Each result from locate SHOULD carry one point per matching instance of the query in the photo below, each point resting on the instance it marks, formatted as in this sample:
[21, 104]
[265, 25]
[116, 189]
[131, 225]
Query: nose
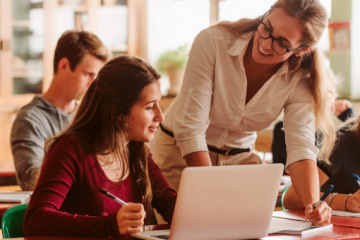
[159, 116]
[266, 44]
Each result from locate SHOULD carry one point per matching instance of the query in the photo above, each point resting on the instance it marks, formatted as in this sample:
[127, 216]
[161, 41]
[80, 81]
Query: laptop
[223, 202]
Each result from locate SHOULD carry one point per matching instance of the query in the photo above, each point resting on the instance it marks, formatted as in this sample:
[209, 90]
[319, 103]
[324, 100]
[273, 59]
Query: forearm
[198, 159]
[305, 181]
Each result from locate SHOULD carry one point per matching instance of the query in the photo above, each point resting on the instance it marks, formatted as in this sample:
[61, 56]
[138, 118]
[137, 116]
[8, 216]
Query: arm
[43, 216]
[299, 126]
[27, 143]
[198, 159]
[194, 101]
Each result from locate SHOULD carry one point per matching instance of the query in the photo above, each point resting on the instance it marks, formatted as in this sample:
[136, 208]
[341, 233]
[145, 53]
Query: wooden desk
[335, 220]
[7, 173]
[337, 232]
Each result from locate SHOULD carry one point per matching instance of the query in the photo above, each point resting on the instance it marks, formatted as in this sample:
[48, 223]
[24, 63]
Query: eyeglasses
[278, 46]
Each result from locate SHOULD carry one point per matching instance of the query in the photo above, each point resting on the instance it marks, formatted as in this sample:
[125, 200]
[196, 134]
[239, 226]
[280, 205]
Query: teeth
[263, 51]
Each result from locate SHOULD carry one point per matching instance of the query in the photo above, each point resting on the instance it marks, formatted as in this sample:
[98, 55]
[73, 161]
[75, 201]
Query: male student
[79, 55]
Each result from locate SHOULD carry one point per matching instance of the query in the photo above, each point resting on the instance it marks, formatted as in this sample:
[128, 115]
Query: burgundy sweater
[67, 201]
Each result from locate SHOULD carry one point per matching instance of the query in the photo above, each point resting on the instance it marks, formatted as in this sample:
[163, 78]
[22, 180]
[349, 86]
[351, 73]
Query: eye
[150, 108]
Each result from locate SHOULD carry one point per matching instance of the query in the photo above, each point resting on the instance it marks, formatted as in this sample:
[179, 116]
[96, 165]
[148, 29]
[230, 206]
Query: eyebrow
[150, 102]
[282, 38]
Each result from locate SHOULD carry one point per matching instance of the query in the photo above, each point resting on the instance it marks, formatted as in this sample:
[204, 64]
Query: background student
[239, 77]
[104, 148]
[344, 163]
[79, 55]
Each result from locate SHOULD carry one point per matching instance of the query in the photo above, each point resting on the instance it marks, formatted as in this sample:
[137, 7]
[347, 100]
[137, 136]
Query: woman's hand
[341, 105]
[320, 216]
[130, 218]
[353, 202]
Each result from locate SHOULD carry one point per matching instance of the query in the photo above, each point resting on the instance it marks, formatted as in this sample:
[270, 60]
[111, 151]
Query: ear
[302, 51]
[63, 65]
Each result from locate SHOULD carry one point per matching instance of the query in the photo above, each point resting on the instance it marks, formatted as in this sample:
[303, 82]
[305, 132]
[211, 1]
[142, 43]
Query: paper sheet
[345, 214]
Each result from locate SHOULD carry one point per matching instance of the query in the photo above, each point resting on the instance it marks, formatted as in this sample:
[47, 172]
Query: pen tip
[103, 191]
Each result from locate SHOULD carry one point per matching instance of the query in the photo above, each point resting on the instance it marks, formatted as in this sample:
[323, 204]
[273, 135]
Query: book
[15, 197]
[345, 214]
[293, 227]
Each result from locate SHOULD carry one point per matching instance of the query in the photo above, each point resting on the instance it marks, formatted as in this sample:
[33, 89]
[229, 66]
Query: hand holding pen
[130, 217]
[320, 213]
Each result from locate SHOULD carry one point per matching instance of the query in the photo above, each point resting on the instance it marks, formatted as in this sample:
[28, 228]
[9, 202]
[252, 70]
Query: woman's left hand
[320, 216]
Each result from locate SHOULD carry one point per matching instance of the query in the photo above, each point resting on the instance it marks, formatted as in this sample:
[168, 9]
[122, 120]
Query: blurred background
[159, 31]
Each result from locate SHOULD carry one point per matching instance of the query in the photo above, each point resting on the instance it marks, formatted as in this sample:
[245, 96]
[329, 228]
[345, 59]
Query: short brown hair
[75, 45]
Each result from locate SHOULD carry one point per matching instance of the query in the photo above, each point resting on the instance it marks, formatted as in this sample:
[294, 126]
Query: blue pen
[323, 197]
[357, 178]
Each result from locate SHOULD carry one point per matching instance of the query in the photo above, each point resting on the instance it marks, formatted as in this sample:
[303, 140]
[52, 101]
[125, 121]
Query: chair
[282, 197]
[12, 221]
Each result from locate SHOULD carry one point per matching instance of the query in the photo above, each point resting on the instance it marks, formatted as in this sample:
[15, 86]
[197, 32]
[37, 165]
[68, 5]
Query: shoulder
[346, 137]
[37, 111]
[215, 34]
[66, 145]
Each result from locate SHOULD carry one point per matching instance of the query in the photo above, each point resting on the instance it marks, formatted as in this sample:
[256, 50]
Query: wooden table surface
[337, 232]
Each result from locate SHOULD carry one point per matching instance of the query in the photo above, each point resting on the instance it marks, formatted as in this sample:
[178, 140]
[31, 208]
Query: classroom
[179, 119]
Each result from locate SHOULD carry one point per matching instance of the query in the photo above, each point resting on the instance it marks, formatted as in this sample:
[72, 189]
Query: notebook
[223, 202]
[345, 214]
[15, 197]
[293, 227]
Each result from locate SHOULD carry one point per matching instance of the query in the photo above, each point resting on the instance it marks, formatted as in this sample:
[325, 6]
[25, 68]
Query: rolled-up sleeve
[299, 125]
[192, 111]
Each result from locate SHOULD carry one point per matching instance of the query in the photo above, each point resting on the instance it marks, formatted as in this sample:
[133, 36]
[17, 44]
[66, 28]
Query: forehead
[151, 92]
[285, 26]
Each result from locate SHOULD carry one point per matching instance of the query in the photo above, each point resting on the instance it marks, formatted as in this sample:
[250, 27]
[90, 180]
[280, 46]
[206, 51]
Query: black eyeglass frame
[273, 38]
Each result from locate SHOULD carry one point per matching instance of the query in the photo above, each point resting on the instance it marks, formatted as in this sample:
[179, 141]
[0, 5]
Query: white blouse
[211, 109]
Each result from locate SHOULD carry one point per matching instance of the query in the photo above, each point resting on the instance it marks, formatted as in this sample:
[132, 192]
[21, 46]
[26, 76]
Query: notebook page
[286, 226]
[345, 213]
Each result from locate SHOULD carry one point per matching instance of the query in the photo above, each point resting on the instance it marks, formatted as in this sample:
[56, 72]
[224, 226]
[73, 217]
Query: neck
[252, 64]
[58, 97]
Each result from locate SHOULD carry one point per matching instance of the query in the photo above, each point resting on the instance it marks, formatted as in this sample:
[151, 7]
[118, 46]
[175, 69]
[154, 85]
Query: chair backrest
[13, 220]
[282, 197]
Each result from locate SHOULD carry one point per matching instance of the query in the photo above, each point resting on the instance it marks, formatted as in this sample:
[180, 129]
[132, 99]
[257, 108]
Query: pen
[118, 200]
[357, 178]
[323, 197]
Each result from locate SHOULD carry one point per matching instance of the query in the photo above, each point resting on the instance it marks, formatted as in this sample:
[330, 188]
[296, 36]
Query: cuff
[299, 155]
[195, 144]
[114, 225]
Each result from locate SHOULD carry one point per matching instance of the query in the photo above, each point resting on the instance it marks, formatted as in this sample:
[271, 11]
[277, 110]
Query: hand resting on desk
[130, 218]
[353, 202]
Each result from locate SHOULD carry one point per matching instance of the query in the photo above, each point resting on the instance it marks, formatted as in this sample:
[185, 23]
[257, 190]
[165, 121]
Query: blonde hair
[313, 17]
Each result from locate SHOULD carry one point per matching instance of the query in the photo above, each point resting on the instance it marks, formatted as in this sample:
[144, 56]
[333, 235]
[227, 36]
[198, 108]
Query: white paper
[344, 213]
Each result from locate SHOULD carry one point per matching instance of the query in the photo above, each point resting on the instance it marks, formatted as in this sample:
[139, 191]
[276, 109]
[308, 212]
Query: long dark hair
[100, 124]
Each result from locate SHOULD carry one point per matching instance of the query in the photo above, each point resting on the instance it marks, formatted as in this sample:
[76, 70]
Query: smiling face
[284, 28]
[146, 114]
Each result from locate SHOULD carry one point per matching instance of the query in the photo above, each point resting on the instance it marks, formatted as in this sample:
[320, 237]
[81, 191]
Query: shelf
[26, 74]
[20, 23]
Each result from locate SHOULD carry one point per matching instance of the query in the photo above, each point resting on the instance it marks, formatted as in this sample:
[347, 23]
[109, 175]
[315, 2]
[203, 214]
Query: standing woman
[239, 77]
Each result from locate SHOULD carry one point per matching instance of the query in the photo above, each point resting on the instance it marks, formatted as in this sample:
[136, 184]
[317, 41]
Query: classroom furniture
[7, 173]
[283, 195]
[13, 220]
[350, 222]
[336, 233]
[6, 206]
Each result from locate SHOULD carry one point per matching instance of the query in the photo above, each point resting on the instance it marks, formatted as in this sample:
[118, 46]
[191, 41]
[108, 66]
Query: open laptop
[225, 202]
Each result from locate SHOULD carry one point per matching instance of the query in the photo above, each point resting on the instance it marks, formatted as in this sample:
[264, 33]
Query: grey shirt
[34, 124]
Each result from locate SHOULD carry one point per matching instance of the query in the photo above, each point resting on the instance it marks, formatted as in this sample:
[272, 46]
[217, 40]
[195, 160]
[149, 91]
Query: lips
[152, 129]
[262, 52]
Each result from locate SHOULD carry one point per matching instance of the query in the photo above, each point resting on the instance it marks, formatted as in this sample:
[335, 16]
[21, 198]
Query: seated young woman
[104, 148]
[344, 163]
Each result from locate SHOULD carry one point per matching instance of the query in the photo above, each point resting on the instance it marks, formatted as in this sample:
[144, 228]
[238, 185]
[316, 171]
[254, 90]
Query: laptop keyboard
[165, 236]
